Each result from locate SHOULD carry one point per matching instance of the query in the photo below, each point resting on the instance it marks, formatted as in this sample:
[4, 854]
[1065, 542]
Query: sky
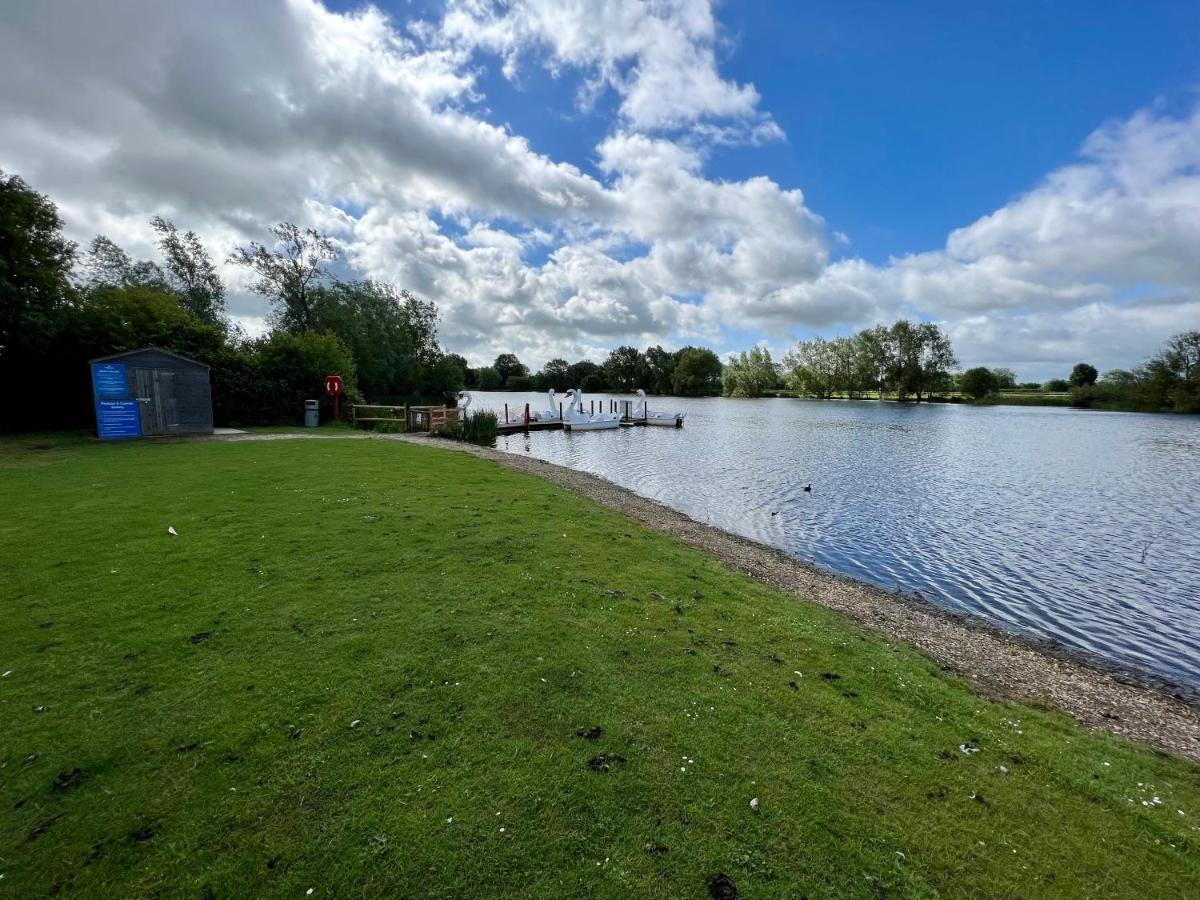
[563, 176]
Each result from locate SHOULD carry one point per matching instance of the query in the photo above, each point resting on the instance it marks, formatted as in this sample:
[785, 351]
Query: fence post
[527, 416]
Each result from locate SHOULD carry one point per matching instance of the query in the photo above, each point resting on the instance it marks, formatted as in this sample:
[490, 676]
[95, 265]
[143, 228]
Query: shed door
[156, 400]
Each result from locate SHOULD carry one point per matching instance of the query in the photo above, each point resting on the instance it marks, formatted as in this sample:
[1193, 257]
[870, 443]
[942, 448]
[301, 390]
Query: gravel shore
[997, 664]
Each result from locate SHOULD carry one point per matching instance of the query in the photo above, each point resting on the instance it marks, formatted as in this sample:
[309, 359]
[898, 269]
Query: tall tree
[555, 374]
[586, 373]
[289, 272]
[697, 372]
[659, 366]
[507, 364]
[392, 335]
[192, 273]
[621, 369]
[35, 263]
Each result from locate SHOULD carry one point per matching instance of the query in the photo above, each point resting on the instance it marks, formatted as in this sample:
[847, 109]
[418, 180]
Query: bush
[1056, 386]
[520, 383]
[978, 383]
[389, 426]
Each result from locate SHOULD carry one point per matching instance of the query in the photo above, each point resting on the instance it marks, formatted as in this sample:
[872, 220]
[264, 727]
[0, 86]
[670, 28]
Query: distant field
[371, 669]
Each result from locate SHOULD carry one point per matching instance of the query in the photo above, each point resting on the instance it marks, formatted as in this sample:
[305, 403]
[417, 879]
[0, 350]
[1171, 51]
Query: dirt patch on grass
[996, 663]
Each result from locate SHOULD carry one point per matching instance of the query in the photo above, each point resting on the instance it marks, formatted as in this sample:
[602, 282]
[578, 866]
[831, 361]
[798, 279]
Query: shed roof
[115, 356]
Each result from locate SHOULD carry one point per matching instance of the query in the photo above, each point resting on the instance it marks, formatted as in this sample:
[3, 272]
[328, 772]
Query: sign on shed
[148, 392]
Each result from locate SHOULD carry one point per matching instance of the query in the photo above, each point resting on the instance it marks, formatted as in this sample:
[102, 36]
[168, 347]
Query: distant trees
[1170, 380]
[907, 359]
[1006, 379]
[1083, 374]
[1056, 386]
[507, 365]
[749, 374]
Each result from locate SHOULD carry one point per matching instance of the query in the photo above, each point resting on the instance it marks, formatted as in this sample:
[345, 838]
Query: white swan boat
[663, 419]
[551, 414]
[575, 419]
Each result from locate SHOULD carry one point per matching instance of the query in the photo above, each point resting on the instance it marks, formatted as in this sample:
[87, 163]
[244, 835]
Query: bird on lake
[808, 489]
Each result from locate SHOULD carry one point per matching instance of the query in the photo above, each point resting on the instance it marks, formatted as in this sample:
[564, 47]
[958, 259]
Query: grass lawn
[371, 670]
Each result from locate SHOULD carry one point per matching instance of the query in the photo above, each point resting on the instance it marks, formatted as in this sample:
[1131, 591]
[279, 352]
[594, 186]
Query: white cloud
[228, 117]
[658, 55]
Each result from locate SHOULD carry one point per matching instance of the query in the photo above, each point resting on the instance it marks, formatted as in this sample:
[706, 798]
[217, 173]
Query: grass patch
[376, 669]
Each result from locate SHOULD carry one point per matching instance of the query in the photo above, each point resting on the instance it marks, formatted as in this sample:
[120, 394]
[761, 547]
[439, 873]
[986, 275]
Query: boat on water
[662, 419]
[575, 419]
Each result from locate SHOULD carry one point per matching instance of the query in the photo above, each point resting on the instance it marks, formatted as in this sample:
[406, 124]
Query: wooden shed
[149, 392]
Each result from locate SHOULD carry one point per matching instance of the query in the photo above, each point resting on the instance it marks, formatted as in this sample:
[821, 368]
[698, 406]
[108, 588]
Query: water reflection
[1036, 518]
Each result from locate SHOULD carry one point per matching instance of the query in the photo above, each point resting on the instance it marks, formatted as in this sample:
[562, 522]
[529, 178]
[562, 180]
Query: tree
[555, 374]
[35, 265]
[584, 370]
[488, 379]
[621, 369]
[391, 334]
[1121, 379]
[192, 273]
[811, 367]
[1056, 386]
[873, 349]
[106, 264]
[460, 364]
[1082, 375]
[658, 367]
[289, 273]
[697, 372]
[936, 360]
[978, 383]
[1182, 354]
[749, 374]
[1006, 379]
[507, 364]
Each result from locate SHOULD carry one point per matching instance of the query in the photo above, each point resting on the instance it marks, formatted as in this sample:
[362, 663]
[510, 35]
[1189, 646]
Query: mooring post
[560, 410]
[505, 413]
[592, 406]
[526, 416]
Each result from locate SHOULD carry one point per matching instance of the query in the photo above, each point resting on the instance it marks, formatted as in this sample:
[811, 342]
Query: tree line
[687, 372]
[1167, 382]
[61, 306]
[906, 360]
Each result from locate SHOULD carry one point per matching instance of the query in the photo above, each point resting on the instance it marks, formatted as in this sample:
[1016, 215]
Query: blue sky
[907, 120]
[562, 176]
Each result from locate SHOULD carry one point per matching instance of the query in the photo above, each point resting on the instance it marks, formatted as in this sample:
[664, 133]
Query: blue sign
[108, 381]
[118, 419]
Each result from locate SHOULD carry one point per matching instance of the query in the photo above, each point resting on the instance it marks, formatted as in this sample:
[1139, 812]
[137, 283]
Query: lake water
[1034, 518]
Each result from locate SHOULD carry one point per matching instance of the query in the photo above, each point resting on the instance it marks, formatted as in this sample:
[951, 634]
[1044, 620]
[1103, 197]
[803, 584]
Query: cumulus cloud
[658, 55]
[228, 117]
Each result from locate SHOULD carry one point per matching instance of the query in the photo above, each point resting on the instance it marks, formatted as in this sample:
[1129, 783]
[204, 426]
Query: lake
[1082, 527]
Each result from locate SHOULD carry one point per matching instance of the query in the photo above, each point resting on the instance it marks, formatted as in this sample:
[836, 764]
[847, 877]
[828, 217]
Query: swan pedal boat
[575, 419]
[661, 419]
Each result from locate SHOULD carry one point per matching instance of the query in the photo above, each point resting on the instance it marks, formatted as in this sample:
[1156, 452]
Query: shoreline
[1000, 665]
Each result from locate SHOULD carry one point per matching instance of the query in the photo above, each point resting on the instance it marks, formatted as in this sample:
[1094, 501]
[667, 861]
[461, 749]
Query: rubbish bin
[312, 413]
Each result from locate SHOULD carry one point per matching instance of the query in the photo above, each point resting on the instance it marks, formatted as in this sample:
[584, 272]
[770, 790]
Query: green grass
[471, 620]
